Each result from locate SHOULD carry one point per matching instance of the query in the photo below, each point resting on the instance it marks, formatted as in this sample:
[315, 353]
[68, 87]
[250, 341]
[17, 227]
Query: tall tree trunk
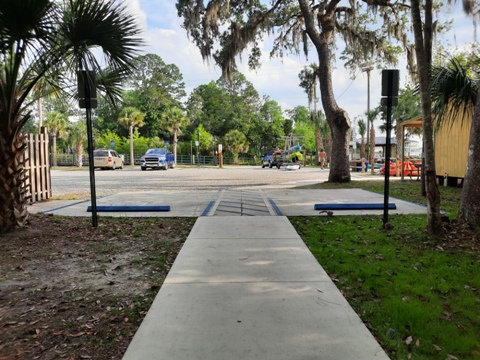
[372, 150]
[175, 146]
[54, 150]
[469, 205]
[132, 160]
[337, 118]
[423, 50]
[362, 148]
[398, 134]
[40, 114]
[13, 176]
[79, 154]
[319, 141]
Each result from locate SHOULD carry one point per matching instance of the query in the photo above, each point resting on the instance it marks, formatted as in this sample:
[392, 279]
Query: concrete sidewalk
[247, 287]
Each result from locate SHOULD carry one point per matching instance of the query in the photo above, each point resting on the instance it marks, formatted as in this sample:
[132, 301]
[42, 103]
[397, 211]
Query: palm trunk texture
[13, 176]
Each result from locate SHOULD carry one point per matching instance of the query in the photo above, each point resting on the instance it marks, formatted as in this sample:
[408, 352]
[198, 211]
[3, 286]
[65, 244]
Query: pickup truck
[267, 159]
[157, 158]
[272, 158]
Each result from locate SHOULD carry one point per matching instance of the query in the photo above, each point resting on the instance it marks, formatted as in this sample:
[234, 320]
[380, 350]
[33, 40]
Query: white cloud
[134, 8]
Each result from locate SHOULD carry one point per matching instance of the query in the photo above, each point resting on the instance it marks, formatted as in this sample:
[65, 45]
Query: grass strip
[418, 295]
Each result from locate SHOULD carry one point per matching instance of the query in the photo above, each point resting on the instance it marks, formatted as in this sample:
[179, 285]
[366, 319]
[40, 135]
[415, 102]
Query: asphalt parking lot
[183, 178]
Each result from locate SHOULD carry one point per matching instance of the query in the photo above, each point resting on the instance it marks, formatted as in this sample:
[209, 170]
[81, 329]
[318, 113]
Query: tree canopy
[224, 30]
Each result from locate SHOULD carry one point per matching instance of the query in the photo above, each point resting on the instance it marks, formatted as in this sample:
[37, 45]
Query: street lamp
[198, 148]
[367, 67]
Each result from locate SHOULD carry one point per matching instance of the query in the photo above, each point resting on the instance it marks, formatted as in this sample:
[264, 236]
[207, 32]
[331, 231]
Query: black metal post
[387, 150]
[93, 194]
[91, 167]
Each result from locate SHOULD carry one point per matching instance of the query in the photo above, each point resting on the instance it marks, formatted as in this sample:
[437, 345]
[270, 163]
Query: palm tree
[174, 119]
[362, 129]
[56, 123]
[52, 35]
[131, 117]
[455, 90]
[77, 137]
[237, 142]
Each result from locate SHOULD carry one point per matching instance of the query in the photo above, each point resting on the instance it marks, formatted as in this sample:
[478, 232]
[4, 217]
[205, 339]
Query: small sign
[197, 143]
[112, 144]
[167, 143]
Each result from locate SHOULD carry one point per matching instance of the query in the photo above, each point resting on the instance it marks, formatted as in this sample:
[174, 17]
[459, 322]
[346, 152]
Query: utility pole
[367, 67]
[198, 148]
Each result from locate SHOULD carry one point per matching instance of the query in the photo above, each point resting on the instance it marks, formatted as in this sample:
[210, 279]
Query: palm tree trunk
[54, 150]
[40, 114]
[13, 176]
[132, 160]
[79, 155]
[319, 141]
[399, 134]
[175, 146]
[372, 150]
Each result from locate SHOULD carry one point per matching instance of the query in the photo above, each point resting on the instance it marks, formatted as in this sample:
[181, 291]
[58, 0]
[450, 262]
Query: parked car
[107, 159]
[157, 158]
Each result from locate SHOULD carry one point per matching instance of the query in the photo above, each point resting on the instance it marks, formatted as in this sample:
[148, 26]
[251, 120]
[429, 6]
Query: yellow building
[451, 145]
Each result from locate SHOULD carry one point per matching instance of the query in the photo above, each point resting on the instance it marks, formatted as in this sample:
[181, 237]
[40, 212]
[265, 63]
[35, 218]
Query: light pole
[367, 67]
[198, 148]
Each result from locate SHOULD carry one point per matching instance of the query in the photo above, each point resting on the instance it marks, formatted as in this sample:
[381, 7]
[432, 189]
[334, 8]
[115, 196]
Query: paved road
[192, 178]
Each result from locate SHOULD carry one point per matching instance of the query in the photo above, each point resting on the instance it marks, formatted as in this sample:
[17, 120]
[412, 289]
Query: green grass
[402, 282]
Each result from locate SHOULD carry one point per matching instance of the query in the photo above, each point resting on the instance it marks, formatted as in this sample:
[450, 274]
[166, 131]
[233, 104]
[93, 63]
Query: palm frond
[454, 92]
[99, 25]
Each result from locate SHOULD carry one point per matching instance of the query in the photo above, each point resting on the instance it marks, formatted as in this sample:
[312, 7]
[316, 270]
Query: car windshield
[159, 151]
[100, 153]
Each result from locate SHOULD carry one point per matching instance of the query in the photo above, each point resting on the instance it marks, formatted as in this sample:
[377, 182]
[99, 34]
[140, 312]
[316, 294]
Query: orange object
[408, 169]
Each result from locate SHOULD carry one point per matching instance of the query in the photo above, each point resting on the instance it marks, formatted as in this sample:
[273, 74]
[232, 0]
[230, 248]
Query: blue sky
[277, 78]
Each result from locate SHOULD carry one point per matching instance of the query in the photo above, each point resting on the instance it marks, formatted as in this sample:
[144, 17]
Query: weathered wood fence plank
[39, 185]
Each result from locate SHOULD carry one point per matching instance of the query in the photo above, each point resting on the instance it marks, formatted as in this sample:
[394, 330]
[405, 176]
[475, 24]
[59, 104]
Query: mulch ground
[68, 290]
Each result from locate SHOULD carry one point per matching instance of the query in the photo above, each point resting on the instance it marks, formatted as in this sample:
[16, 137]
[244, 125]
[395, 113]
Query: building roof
[381, 140]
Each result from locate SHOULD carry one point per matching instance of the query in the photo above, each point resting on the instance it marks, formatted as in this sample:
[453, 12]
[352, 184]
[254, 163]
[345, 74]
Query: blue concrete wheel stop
[131, 208]
[358, 206]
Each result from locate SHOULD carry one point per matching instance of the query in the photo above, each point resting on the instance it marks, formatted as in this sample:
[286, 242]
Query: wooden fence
[39, 185]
